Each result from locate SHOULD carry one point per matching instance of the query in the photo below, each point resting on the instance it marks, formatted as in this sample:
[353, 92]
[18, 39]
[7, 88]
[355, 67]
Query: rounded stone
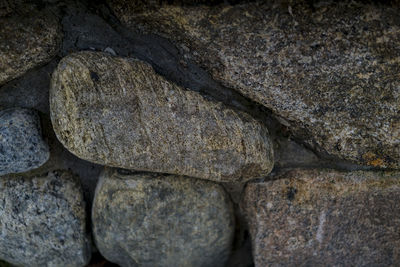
[22, 147]
[119, 112]
[143, 219]
[43, 220]
[28, 39]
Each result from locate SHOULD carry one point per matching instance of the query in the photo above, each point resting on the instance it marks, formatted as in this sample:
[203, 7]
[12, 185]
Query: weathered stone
[119, 112]
[22, 147]
[43, 221]
[331, 70]
[26, 41]
[144, 219]
[325, 218]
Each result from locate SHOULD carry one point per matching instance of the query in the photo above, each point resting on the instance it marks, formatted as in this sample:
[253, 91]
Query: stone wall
[199, 133]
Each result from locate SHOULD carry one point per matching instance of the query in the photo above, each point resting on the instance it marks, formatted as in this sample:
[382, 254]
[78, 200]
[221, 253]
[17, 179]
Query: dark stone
[29, 91]
[29, 39]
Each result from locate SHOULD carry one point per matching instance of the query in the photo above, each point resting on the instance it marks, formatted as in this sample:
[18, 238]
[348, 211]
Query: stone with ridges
[118, 112]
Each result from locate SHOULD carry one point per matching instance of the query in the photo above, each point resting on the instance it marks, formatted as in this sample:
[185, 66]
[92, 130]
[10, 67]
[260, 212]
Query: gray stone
[27, 39]
[328, 70]
[146, 219]
[22, 147]
[118, 112]
[43, 221]
[325, 218]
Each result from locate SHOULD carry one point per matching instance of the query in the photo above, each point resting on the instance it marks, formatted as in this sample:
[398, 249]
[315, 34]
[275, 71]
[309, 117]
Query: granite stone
[145, 219]
[22, 147]
[43, 220]
[28, 38]
[329, 70]
[325, 218]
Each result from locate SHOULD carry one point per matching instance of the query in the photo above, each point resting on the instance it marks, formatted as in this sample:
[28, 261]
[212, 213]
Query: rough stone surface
[22, 147]
[325, 218]
[9, 6]
[119, 112]
[43, 221]
[331, 70]
[27, 40]
[148, 219]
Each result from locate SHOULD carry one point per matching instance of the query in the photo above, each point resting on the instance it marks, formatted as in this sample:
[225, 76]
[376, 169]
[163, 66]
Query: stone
[118, 112]
[328, 70]
[43, 221]
[27, 40]
[148, 219]
[22, 147]
[7, 7]
[325, 218]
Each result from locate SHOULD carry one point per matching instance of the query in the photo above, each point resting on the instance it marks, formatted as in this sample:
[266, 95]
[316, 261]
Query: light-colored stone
[329, 69]
[118, 112]
[22, 147]
[28, 39]
[325, 218]
[43, 221]
[143, 219]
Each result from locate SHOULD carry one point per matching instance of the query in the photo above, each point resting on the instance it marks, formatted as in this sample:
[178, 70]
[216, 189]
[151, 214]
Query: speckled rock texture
[43, 221]
[28, 38]
[118, 112]
[144, 219]
[22, 147]
[325, 218]
[329, 70]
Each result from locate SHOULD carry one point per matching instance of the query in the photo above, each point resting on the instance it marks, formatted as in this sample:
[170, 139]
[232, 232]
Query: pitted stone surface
[330, 70]
[43, 221]
[325, 218]
[118, 112]
[27, 39]
[146, 219]
[22, 147]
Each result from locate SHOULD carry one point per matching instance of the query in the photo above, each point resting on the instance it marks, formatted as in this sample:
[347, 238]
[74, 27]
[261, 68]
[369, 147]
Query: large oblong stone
[22, 147]
[27, 40]
[43, 220]
[146, 219]
[325, 218]
[118, 112]
[329, 69]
